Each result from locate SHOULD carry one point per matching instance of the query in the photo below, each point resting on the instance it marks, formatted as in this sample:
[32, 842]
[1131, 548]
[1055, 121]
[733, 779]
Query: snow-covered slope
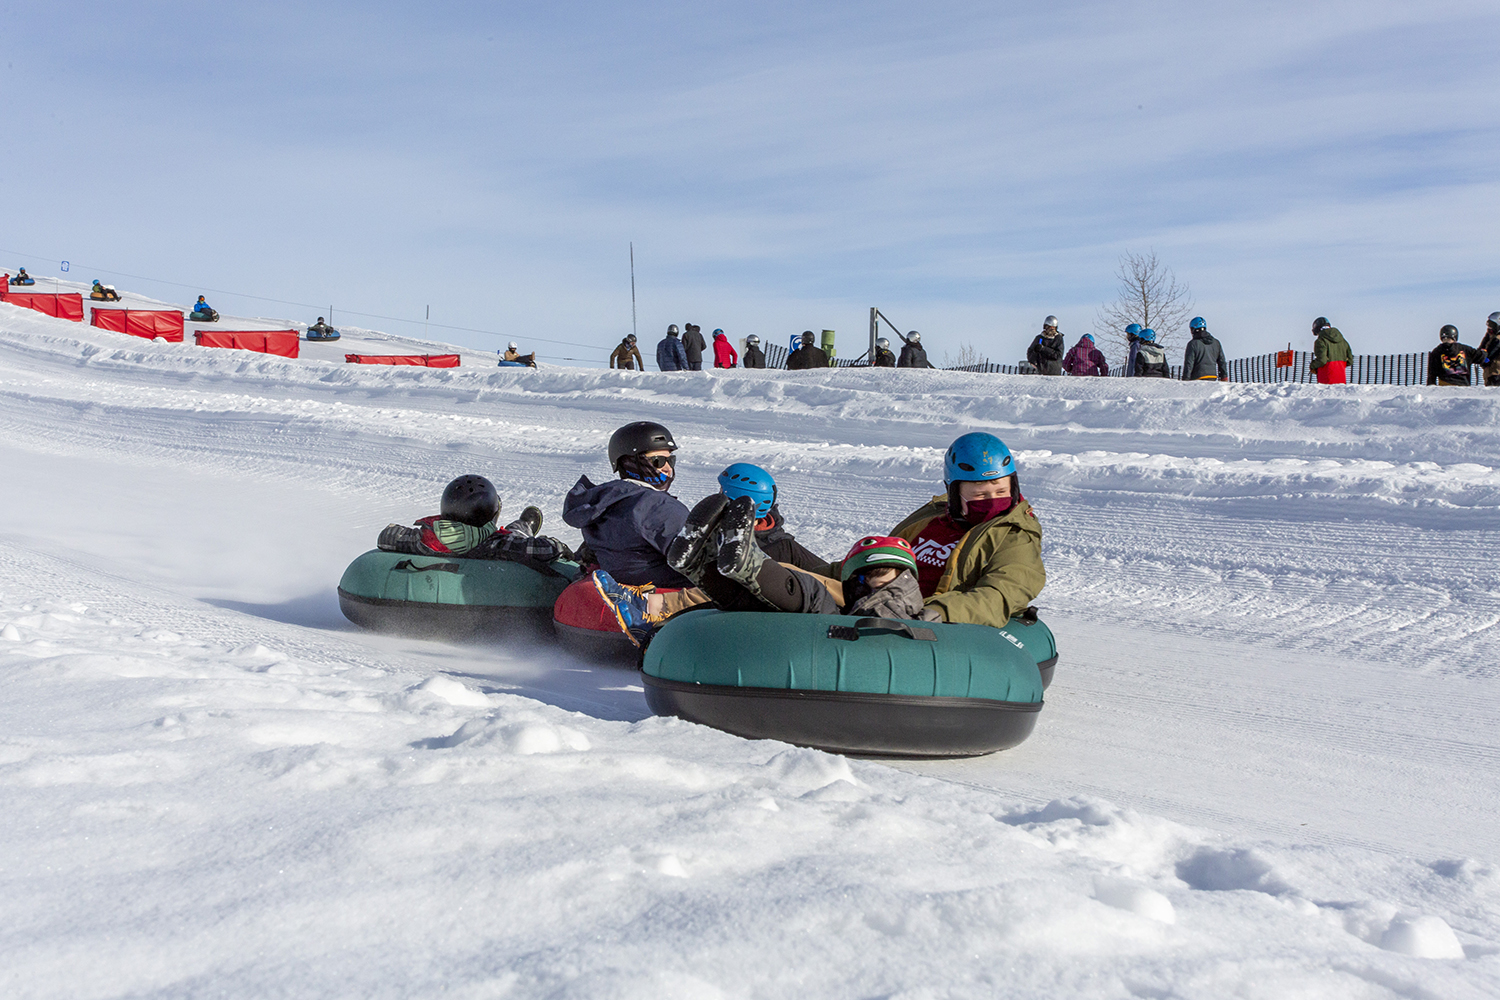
[1268, 766]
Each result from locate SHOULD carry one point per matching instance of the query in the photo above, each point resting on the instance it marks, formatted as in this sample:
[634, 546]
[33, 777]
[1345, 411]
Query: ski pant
[782, 588]
[1492, 373]
[695, 366]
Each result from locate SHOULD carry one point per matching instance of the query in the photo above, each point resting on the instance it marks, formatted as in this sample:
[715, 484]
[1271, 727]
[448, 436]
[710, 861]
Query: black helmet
[1494, 318]
[807, 338]
[914, 337]
[630, 337]
[472, 500]
[671, 329]
[1321, 323]
[637, 439]
[1448, 332]
[752, 340]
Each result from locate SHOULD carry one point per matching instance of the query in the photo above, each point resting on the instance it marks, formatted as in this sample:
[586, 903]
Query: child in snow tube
[640, 608]
[203, 312]
[467, 527]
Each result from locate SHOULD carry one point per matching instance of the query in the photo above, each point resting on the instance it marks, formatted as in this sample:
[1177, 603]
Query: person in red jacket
[725, 356]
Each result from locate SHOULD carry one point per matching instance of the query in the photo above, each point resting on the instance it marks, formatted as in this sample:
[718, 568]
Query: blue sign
[64, 265]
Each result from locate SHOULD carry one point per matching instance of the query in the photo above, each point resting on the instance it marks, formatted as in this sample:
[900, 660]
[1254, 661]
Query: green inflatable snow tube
[866, 686]
[450, 596]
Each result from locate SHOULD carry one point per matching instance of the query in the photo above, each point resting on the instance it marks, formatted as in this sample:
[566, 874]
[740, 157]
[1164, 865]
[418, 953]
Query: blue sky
[967, 167]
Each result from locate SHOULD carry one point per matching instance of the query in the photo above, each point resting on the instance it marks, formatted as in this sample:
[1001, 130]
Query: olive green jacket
[996, 569]
[1330, 346]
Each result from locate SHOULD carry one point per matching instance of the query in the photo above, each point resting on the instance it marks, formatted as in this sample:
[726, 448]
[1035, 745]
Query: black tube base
[442, 621]
[861, 725]
[613, 648]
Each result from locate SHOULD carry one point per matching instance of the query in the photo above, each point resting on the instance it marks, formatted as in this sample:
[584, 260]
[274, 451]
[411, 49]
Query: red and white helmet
[878, 551]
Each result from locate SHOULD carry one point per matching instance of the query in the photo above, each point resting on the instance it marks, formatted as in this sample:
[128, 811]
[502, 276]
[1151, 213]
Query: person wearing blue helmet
[745, 480]
[1203, 360]
[1132, 338]
[978, 546]
[1150, 358]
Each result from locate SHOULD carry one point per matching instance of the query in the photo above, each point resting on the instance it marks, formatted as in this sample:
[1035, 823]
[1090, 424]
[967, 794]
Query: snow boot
[694, 548]
[740, 557]
[529, 523]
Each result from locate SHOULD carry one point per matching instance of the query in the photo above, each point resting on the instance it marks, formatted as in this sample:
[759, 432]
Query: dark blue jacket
[670, 357]
[629, 526]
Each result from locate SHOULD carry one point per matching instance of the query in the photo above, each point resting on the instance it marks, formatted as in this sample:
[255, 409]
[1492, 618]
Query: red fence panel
[420, 360]
[147, 323]
[283, 343]
[64, 306]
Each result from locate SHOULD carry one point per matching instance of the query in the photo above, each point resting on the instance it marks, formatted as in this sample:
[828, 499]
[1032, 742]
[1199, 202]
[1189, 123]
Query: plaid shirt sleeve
[518, 545]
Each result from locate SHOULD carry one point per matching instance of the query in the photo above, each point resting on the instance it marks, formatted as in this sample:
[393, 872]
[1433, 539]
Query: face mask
[980, 511]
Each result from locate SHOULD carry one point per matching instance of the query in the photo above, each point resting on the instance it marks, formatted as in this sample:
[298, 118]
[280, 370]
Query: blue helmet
[745, 480]
[1148, 335]
[1198, 323]
[1134, 329]
[977, 457]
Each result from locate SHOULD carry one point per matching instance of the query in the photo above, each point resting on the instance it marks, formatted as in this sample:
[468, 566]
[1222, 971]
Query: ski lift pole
[632, 287]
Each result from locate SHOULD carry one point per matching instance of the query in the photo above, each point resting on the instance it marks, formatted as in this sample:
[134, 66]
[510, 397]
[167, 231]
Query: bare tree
[967, 355]
[1149, 294]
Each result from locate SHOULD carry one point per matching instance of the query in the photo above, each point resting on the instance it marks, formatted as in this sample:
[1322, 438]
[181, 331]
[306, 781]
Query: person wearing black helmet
[627, 357]
[1332, 355]
[1489, 346]
[808, 356]
[466, 526]
[884, 358]
[1449, 363]
[628, 522]
[753, 357]
[913, 354]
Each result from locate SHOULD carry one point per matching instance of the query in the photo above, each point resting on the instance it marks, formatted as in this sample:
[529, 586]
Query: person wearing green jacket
[979, 547]
[1331, 354]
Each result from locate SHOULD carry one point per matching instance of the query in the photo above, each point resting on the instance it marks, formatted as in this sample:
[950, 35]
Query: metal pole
[424, 322]
[874, 331]
[632, 287]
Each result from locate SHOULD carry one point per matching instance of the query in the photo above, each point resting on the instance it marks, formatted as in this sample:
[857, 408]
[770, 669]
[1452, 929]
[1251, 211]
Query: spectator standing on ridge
[913, 355]
[1085, 359]
[1449, 362]
[883, 356]
[1046, 351]
[1203, 360]
[725, 356]
[1132, 341]
[1489, 346]
[694, 346]
[754, 356]
[670, 357]
[627, 357]
[1150, 358]
[1331, 354]
[809, 355]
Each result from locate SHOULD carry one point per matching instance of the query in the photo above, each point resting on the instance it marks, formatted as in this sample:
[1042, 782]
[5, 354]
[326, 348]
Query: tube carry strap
[851, 632]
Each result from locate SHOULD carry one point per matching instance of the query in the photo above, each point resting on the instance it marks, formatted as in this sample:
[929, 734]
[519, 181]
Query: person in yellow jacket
[979, 547]
[627, 356]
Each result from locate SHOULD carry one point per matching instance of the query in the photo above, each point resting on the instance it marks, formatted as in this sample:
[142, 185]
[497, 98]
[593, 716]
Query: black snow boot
[694, 548]
[739, 556]
[529, 523]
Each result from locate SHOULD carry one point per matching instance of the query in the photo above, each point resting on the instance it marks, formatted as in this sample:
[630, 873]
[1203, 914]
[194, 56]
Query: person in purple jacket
[1085, 359]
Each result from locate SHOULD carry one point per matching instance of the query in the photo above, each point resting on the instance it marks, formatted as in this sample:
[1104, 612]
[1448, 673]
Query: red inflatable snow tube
[587, 626]
[283, 343]
[420, 360]
[66, 306]
[148, 323]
